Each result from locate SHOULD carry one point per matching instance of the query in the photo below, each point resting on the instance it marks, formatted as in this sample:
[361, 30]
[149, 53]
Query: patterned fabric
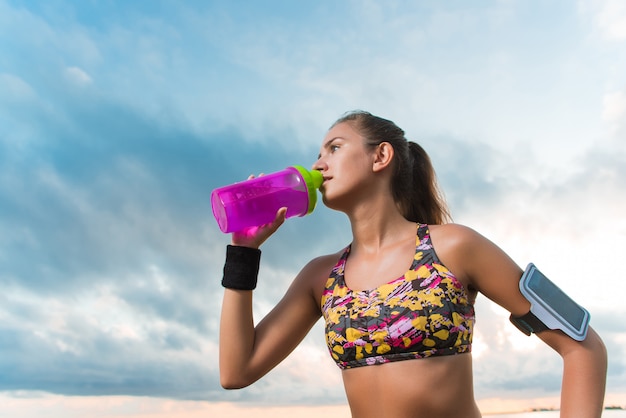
[424, 313]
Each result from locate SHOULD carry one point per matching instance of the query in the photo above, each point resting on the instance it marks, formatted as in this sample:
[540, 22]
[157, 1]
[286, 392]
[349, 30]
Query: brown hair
[414, 183]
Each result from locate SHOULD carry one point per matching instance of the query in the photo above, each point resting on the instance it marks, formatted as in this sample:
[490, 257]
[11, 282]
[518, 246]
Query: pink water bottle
[255, 202]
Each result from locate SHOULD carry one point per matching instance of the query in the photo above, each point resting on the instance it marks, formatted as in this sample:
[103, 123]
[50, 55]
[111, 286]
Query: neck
[377, 226]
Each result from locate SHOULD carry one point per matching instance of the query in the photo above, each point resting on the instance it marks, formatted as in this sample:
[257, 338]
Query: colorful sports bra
[424, 313]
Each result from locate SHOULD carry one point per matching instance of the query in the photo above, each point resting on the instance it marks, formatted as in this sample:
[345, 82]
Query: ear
[382, 156]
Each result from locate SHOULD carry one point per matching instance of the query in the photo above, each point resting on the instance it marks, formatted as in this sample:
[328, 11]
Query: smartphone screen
[558, 301]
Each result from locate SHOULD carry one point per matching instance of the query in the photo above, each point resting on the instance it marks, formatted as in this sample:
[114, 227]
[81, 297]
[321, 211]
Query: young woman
[398, 301]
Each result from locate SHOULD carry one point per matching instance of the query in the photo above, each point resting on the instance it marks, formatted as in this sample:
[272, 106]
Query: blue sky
[117, 119]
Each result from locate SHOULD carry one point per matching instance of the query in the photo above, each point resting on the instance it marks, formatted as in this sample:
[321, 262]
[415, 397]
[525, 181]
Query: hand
[254, 236]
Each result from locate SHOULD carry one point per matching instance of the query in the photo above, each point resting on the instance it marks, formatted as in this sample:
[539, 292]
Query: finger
[278, 221]
[252, 176]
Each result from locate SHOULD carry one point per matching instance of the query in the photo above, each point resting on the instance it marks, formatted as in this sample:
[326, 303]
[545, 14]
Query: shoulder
[316, 272]
[323, 263]
[468, 253]
[455, 237]
[453, 244]
[460, 237]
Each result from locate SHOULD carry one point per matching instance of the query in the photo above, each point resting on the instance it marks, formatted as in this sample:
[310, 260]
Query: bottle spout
[317, 178]
[313, 180]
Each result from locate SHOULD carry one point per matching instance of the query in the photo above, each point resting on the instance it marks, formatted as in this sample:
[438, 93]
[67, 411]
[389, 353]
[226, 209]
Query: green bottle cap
[313, 180]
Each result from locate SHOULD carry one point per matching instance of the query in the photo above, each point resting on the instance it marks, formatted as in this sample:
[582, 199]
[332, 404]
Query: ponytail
[424, 200]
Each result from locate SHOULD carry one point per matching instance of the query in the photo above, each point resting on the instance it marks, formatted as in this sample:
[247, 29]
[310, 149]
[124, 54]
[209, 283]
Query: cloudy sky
[117, 119]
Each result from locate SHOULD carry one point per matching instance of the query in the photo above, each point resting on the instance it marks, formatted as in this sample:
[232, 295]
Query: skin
[357, 183]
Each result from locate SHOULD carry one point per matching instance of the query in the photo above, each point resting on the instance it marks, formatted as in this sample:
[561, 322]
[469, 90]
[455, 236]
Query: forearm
[249, 351]
[584, 379]
[237, 332]
[236, 337]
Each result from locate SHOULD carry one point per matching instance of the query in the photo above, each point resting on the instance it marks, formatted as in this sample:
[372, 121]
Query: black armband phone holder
[528, 323]
[241, 268]
[550, 307]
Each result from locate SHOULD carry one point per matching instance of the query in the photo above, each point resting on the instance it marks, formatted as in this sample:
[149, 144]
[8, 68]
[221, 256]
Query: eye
[333, 148]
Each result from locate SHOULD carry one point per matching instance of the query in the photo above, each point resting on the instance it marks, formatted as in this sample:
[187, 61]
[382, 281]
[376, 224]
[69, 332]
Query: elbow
[591, 351]
[231, 385]
[594, 344]
[233, 381]
[600, 350]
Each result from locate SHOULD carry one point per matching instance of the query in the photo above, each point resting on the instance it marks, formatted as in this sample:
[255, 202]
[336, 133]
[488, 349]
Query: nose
[319, 165]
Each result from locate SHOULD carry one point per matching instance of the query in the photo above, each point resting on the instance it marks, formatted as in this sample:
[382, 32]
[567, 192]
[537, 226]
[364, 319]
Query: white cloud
[78, 76]
[610, 18]
[614, 111]
[12, 86]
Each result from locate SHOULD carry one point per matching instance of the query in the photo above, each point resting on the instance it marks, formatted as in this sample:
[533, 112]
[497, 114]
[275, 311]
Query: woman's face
[346, 164]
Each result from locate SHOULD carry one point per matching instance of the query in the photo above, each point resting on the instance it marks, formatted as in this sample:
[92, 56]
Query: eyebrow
[328, 144]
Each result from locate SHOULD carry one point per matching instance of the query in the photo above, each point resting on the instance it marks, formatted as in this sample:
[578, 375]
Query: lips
[326, 180]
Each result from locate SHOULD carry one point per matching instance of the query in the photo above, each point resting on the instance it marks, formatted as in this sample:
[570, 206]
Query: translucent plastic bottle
[255, 202]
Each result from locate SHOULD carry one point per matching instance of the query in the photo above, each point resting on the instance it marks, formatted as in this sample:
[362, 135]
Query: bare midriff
[439, 387]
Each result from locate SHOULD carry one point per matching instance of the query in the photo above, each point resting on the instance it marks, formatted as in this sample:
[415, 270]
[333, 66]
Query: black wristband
[241, 268]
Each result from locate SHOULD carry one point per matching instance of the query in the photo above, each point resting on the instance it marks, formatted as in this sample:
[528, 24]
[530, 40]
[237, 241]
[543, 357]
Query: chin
[327, 202]
[336, 203]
